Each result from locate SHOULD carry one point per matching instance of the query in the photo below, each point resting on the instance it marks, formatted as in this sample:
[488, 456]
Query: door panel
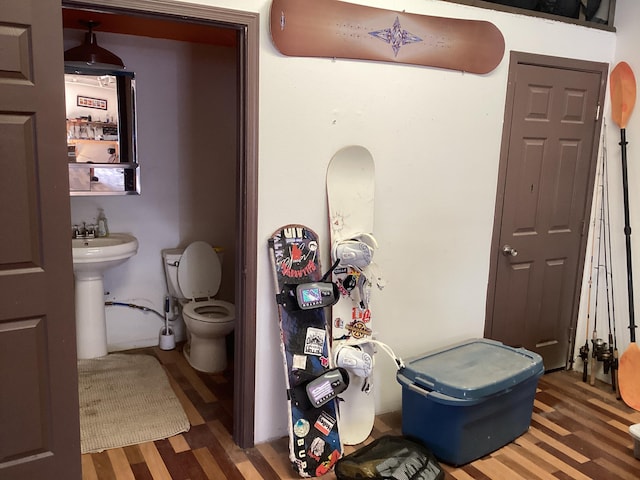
[546, 182]
[40, 436]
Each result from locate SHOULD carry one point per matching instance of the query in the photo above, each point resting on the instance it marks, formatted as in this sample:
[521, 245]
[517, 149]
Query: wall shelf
[92, 124]
[90, 140]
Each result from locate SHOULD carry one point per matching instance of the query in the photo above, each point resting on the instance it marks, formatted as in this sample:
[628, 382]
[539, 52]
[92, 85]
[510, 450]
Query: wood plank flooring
[577, 432]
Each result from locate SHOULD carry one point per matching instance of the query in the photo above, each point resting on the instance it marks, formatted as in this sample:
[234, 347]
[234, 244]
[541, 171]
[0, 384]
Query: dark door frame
[517, 58]
[247, 26]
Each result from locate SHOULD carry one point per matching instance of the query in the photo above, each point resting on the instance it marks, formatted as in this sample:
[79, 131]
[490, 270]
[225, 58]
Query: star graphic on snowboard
[396, 36]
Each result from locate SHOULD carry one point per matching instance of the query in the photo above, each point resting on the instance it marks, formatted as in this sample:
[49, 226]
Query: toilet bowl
[193, 278]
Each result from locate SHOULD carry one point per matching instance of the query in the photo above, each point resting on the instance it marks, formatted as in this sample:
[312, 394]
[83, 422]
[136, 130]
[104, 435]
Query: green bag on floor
[390, 458]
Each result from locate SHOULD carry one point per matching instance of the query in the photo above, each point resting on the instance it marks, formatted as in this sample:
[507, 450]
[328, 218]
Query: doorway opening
[177, 20]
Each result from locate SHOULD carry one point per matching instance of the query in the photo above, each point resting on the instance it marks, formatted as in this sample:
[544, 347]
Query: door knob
[509, 251]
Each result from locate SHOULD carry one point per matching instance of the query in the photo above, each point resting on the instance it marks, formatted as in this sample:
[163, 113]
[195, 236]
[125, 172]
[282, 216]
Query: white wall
[435, 136]
[186, 116]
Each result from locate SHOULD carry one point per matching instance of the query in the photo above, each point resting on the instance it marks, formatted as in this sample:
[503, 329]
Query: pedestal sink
[91, 257]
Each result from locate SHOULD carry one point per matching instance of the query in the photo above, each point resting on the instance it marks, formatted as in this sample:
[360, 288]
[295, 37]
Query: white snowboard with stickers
[350, 195]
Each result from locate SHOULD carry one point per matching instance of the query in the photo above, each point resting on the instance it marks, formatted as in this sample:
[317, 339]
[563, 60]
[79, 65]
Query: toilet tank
[170, 259]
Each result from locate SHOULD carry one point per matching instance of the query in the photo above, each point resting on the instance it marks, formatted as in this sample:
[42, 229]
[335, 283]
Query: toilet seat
[199, 276]
[210, 311]
[199, 271]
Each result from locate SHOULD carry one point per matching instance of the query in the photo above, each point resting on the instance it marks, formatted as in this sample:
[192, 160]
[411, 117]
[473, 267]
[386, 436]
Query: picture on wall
[89, 102]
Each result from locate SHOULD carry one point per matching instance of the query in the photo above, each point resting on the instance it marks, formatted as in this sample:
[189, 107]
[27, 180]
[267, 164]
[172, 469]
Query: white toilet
[193, 277]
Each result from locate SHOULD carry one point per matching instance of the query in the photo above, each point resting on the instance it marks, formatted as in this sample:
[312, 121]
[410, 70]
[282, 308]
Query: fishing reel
[602, 353]
[584, 352]
[607, 360]
[584, 355]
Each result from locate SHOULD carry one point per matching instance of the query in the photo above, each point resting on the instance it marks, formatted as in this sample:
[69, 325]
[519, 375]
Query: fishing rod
[596, 343]
[584, 350]
[604, 353]
[613, 337]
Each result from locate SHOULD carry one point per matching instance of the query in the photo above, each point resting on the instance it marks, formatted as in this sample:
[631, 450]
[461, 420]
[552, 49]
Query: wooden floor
[577, 432]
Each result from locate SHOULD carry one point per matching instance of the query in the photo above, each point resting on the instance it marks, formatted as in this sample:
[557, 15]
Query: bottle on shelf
[103, 228]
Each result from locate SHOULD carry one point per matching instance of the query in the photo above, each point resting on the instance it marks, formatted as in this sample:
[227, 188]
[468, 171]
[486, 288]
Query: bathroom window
[601, 19]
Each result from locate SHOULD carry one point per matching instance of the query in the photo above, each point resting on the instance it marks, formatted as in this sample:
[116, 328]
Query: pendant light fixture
[89, 54]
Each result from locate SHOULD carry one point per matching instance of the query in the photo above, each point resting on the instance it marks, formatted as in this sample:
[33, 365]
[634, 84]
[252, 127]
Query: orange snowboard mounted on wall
[335, 29]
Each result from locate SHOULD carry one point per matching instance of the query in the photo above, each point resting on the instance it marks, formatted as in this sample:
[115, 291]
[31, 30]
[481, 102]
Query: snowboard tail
[314, 440]
[336, 29]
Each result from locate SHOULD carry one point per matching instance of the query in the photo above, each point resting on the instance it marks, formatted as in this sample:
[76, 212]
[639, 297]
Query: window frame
[609, 26]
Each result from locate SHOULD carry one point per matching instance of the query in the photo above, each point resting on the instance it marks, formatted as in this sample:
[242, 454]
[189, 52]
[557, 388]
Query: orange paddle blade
[629, 376]
[623, 93]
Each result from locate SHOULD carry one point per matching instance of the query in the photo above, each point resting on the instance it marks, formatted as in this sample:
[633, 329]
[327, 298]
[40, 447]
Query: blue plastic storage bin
[469, 399]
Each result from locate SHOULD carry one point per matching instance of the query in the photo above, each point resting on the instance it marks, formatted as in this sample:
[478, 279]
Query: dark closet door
[549, 155]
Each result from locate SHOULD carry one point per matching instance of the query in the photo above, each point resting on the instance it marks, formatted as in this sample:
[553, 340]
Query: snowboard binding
[352, 357]
[356, 253]
[318, 391]
[309, 295]
[327, 386]
[356, 360]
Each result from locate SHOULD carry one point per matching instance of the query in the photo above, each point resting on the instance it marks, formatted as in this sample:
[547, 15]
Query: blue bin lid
[473, 369]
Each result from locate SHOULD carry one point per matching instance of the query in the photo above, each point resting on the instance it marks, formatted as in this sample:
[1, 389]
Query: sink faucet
[84, 231]
[90, 231]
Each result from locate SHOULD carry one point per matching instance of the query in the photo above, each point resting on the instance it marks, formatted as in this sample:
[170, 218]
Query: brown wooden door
[39, 424]
[547, 171]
